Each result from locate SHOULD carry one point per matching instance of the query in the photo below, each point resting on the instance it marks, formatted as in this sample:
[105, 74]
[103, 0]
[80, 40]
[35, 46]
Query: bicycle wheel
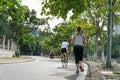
[64, 62]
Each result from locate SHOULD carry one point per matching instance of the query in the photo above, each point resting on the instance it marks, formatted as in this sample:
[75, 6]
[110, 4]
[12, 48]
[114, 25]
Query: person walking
[78, 39]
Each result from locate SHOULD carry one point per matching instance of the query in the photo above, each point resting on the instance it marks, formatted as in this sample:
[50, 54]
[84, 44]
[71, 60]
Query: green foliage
[115, 46]
[116, 72]
[17, 54]
[5, 29]
[17, 19]
[10, 11]
[29, 40]
[62, 7]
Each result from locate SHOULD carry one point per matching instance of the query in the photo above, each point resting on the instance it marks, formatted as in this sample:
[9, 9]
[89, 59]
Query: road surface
[42, 68]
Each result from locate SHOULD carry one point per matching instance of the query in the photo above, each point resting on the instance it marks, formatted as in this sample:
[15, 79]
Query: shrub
[17, 54]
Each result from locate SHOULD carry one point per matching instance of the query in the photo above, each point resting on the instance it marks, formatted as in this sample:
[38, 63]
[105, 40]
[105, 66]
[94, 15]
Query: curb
[95, 74]
[88, 76]
[17, 61]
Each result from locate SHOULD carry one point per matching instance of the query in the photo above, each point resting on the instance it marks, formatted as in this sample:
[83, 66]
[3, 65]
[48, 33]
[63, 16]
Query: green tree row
[93, 14]
[17, 22]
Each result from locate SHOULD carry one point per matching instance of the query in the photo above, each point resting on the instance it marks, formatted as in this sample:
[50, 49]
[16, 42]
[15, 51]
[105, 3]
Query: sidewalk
[94, 72]
[98, 72]
[16, 60]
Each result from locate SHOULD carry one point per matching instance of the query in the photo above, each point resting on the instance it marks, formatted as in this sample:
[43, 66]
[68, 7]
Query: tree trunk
[96, 47]
[110, 24]
[32, 53]
[102, 54]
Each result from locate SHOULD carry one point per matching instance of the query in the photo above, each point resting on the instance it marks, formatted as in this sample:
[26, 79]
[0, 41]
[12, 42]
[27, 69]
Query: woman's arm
[84, 39]
[72, 40]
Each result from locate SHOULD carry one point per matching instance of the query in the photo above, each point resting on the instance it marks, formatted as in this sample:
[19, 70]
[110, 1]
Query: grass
[116, 72]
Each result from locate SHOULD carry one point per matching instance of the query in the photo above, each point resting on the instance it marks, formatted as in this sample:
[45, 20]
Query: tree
[77, 9]
[61, 8]
[98, 12]
[28, 40]
[115, 46]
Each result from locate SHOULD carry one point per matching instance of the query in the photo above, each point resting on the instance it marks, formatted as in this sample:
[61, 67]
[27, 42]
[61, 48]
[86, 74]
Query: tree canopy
[60, 8]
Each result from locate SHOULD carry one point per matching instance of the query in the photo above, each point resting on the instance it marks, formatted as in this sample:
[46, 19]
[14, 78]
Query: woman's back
[78, 39]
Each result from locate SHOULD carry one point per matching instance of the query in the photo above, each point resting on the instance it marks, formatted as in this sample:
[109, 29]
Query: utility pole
[110, 24]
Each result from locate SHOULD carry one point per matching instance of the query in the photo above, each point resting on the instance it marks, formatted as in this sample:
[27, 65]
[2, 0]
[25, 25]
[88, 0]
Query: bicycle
[64, 61]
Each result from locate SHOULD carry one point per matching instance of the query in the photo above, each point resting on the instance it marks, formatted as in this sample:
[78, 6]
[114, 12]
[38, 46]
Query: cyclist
[64, 49]
[52, 54]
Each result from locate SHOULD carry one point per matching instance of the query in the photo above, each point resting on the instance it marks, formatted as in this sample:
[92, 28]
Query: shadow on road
[68, 77]
[70, 68]
[67, 73]
[72, 77]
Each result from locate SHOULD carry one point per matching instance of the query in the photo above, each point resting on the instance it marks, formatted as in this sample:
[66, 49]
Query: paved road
[41, 69]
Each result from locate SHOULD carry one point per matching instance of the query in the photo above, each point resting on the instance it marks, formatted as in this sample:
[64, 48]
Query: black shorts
[63, 50]
[78, 52]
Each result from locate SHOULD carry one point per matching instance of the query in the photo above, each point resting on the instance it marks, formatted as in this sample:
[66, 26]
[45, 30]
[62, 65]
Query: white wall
[6, 53]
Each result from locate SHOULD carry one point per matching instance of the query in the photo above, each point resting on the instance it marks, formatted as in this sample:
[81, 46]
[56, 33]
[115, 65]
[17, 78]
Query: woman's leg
[76, 59]
[81, 58]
